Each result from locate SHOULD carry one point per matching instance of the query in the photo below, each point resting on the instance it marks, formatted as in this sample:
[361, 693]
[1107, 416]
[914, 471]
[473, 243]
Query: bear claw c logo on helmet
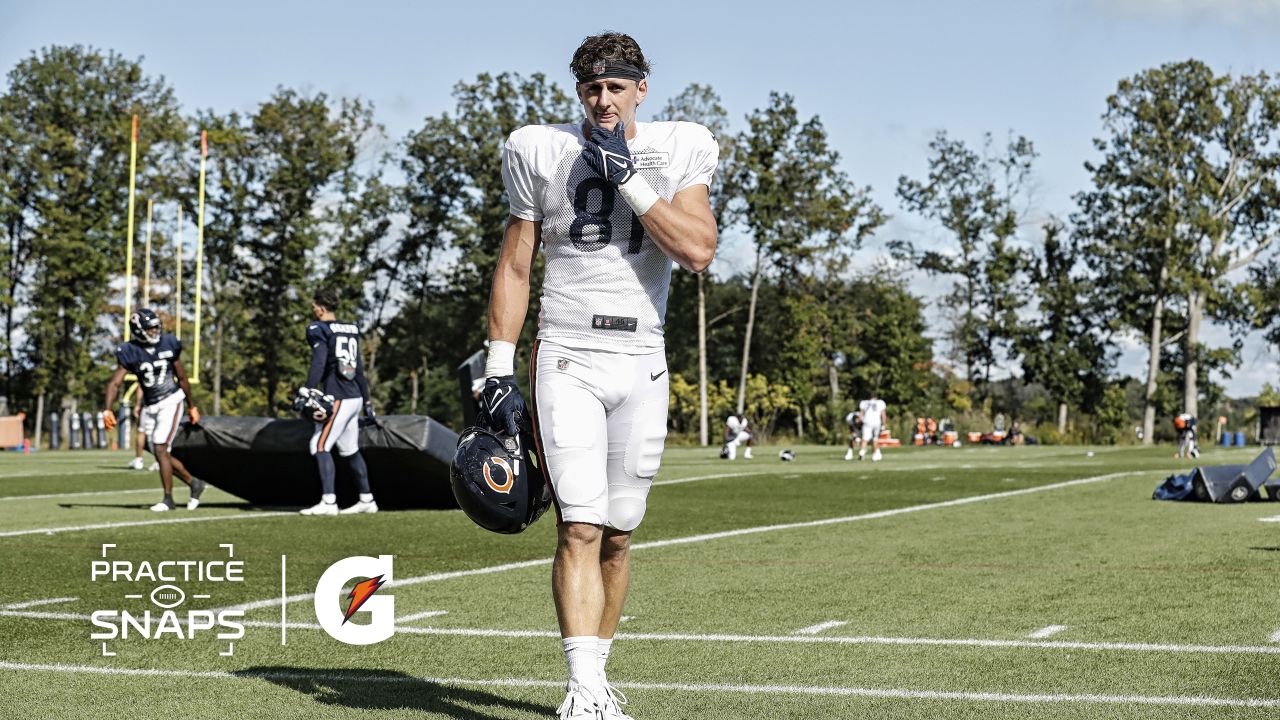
[497, 482]
[508, 480]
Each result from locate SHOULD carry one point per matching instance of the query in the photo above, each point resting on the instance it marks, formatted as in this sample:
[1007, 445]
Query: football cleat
[876, 456]
[145, 326]
[747, 454]
[155, 465]
[360, 507]
[578, 703]
[496, 482]
[320, 508]
[162, 506]
[197, 489]
[611, 702]
[135, 464]
[848, 454]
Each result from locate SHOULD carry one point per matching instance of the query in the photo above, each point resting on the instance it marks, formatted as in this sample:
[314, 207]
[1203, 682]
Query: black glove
[502, 405]
[370, 417]
[608, 155]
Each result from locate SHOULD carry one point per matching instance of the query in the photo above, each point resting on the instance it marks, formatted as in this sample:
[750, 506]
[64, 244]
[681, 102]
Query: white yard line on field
[62, 473]
[139, 523]
[722, 638]
[365, 676]
[420, 616]
[815, 629]
[1275, 637]
[435, 577]
[37, 603]
[79, 494]
[1270, 519]
[1046, 631]
[696, 478]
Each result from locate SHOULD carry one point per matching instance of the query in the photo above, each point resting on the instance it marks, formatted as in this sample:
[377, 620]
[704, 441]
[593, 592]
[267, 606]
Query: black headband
[611, 69]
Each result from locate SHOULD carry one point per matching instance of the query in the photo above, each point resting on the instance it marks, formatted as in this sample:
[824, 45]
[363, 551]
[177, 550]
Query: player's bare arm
[685, 228]
[113, 387]
[180, 373]
[509, 295]
[502, 407]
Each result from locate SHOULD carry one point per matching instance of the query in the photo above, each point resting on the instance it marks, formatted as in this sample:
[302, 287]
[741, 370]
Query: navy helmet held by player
[496, 484]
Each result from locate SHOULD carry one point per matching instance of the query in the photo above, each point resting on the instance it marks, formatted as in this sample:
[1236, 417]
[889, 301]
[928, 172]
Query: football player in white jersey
[613, 202]
[874, 417]
[736, 433]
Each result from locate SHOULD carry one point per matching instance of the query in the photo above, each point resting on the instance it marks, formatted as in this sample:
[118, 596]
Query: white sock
[602, 651]
[366, 497]
[580, 652]
[329, 498]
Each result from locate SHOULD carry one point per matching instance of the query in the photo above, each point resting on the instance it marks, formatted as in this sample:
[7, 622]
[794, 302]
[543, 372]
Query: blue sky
[884, 77]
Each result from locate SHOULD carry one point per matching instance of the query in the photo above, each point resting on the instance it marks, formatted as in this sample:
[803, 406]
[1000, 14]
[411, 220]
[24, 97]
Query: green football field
[1029, 582]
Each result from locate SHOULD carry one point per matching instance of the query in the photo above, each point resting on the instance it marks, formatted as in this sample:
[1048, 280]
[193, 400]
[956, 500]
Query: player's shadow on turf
[389, 690]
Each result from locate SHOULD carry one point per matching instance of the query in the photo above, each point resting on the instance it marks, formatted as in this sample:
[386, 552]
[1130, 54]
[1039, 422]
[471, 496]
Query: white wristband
[639, 194]
[501, 360]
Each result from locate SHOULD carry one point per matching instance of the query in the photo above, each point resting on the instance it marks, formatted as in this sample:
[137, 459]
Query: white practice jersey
[606, 281]
[872, 411]
[734, 424]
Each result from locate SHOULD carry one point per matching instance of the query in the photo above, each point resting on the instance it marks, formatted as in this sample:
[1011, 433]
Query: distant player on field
[152, 355]
[613, 202]
[855, 429]
[337, 372]
[738, 433]
[874, 417]
[1185, 424]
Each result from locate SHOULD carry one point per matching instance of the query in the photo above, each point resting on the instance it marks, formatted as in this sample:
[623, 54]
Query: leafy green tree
[1064, 347]
[976, 197]
[230, 203]
[457, 209]
[298, 152]
[700, 104]
[1184, 196]
[66, 133]
[801, 210]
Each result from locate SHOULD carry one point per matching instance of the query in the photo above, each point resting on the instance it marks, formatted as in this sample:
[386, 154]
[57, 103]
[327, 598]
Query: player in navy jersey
[153, 356]
[337, 372]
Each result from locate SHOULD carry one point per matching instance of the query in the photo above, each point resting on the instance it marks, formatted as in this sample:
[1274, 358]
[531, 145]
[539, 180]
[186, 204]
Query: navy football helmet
[496, 482]
[311, 404]
[145, 326]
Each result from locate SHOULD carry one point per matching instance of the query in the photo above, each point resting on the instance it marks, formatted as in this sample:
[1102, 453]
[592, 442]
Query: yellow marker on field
[146, 273]
[195, 358]
[128, 251]
[177, 281]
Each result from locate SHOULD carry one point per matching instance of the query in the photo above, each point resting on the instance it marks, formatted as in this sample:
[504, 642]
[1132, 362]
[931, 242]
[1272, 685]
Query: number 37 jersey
[606, 280]
[153, 364]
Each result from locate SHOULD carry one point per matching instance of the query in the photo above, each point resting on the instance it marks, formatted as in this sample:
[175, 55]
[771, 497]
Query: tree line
[1177, 226]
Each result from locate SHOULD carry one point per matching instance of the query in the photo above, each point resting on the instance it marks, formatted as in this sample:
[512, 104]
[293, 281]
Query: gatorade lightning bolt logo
[361, 592]
[507, 477]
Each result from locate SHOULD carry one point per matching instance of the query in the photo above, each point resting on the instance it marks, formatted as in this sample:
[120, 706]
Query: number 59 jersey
[606, 280]
[336, 361]
[153, 364]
